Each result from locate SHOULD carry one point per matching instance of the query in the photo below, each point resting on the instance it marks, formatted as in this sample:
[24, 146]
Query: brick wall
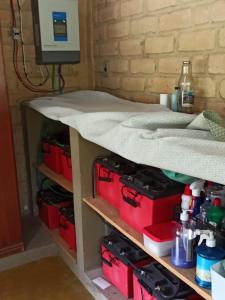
[76, 76]
[140, 46]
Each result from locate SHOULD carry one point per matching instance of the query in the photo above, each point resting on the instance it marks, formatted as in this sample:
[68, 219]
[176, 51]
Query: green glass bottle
[216, 213]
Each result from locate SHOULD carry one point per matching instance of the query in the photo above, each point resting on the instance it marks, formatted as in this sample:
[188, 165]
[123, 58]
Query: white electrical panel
[56, 31]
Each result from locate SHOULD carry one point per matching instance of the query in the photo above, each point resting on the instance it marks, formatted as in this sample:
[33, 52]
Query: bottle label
[187, 99]
[203, 269]
[213, 224]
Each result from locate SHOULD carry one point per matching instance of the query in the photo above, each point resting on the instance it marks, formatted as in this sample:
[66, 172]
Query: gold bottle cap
[186, 62]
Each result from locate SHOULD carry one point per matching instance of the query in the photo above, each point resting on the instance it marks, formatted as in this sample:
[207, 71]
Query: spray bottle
[197, 187]
[207, 255]
[182, 254]
[216, 213]
[186, 198]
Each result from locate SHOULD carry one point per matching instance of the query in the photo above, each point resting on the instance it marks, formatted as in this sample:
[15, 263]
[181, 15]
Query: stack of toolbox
[140, 193]
[108, 171]
[145, 195]
[56, 211]
[56, 154]
[155, 282]
[66, 163]
[67, 226]
[49, 201]
[137, 275]
[119, 258]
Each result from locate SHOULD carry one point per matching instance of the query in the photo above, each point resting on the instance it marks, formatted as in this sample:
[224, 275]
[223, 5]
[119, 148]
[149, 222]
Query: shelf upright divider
[90, 228]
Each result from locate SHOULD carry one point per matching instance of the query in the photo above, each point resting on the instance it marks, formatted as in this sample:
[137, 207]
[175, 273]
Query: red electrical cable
[16, 68]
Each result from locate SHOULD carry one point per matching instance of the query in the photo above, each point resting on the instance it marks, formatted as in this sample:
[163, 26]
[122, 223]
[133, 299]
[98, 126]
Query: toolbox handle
[145, 286]
[129, 200]
[163, 294]
[106, 178]
[64, 226]
[106, 262]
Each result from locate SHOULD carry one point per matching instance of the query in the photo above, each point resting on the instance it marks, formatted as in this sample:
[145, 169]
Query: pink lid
[162, 232]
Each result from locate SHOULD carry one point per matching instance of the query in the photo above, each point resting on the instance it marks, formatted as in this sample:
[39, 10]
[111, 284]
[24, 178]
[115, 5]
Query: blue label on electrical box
[60, 26]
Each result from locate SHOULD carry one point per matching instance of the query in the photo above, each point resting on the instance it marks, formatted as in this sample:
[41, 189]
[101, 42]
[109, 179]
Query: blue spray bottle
[207, 255]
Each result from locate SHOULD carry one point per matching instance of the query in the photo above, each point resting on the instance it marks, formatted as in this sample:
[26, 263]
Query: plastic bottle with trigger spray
[196, 187]
[207, 255]
[182, 254]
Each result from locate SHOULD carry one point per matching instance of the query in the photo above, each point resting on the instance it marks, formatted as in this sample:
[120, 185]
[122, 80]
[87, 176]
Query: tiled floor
[46, 279]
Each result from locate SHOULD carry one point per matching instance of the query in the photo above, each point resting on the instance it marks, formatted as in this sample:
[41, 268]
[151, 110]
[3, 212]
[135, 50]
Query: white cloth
[144, 133]
[74, 103]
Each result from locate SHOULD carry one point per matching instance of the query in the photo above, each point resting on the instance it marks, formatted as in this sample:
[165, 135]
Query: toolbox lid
[161, 283]
[54, 195]
[60, 139]
[152, 182]
[117, 164]
[124, 249]
[163, 232]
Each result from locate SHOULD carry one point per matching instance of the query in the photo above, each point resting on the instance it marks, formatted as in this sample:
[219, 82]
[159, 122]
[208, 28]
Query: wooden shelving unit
[110, 214]
[91, 214]
[57, 178]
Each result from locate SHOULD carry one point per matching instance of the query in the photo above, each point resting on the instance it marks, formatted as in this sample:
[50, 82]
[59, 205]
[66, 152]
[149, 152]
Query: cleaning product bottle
[197, 187]
[174, 98]
[201, 218]
[216, 213]
[186, 198]
[207, 255]
[207, 204]
[182, 254]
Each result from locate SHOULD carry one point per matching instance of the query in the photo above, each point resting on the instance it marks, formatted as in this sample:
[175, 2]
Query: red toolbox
[108, 171]
[52, 150]
[49, 203]
[67, 226]
[66, 163]
[119, 257]
[148, 197]
[52, 156]
[155, 282]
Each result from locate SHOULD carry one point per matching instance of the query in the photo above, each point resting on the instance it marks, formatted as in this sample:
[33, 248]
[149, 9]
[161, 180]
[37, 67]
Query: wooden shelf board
[110, 214]
[60, 242]
[57, 178]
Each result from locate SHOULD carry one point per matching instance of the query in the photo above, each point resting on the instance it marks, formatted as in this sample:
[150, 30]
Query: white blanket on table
[144, 133]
